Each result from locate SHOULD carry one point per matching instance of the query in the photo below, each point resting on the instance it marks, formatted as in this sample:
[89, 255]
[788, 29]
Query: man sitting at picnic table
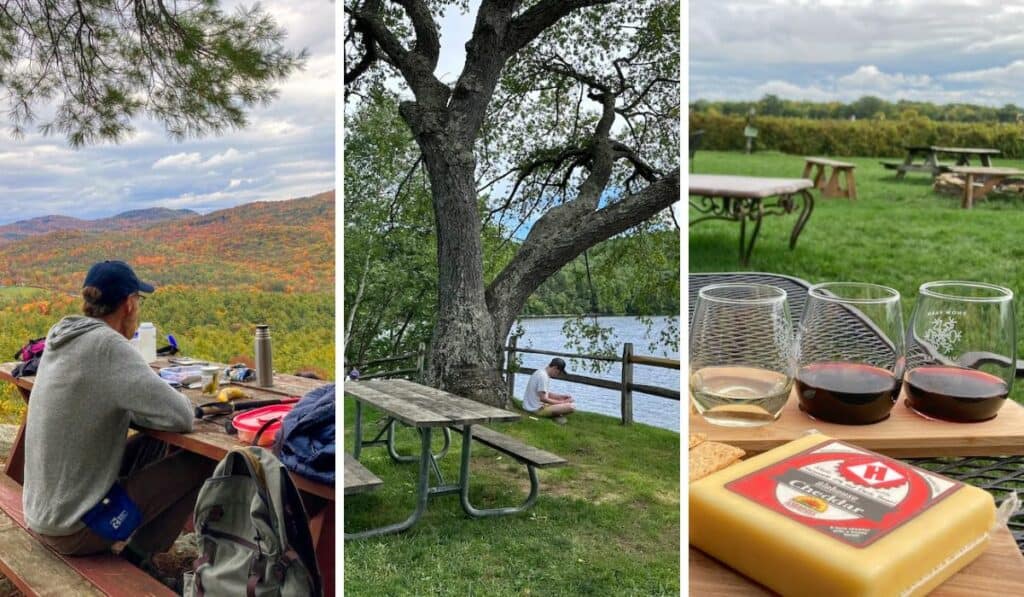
[541, 401]
[86, 483]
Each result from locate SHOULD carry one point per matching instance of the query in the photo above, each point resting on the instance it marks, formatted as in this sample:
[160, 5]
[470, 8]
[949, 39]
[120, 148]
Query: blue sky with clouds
[942, 51]
[286, 151]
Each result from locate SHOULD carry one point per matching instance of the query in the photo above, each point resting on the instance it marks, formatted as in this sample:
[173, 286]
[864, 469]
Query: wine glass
[850, 355]
[961, 351]
[741, 354]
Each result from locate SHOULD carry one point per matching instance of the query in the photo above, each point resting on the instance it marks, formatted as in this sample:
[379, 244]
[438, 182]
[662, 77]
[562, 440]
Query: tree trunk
[465, 354]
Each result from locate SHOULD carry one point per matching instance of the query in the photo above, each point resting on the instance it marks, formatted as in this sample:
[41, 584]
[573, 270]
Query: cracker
[709, 457]
[697, 438]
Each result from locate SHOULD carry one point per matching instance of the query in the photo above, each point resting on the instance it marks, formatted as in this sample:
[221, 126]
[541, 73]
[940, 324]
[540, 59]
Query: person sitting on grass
[87, 485]
[541, 401]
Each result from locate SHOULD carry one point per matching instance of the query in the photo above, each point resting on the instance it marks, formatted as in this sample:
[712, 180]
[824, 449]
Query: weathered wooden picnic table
[929, 158]
[743, 198]
[428, 409]
[828, 183]
[987, 176]
[210, 439]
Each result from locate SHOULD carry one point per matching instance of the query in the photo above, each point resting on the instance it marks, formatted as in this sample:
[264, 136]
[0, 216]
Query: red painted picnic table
[210, 439]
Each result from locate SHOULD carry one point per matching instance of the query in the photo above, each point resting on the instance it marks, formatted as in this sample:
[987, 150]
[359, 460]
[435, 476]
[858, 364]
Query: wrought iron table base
[742, 209]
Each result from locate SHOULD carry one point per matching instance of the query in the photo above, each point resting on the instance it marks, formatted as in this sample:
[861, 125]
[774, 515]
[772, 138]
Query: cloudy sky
[287, 151]
[941, 51]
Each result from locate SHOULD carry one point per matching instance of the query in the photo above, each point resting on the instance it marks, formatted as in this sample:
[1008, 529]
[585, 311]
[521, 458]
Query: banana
[231, 393]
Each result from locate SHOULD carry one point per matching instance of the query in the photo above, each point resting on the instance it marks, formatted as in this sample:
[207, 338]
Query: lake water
[546, 334]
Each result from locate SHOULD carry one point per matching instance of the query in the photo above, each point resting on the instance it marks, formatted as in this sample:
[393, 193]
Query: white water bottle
[147, 341]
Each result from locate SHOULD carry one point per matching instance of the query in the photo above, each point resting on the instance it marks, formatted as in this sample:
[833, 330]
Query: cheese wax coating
[821, 517]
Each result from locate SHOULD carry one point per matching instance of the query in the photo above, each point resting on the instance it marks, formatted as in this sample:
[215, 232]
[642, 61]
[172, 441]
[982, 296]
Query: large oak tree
[564, 122]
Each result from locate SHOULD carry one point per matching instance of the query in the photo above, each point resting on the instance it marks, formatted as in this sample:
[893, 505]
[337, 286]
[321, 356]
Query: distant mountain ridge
[129, 219]
[285, 245]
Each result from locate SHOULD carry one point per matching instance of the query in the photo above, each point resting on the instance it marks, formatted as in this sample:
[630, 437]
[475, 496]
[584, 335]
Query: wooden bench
[39, 571]
[831, 188]
[358, 478]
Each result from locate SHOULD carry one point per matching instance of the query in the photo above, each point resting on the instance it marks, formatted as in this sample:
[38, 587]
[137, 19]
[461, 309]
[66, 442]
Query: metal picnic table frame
[209, 439]
[750, 198]
[996, 474]
[425, 409]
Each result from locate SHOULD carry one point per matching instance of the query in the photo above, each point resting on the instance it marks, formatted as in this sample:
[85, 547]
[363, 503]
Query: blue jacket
[307, 436]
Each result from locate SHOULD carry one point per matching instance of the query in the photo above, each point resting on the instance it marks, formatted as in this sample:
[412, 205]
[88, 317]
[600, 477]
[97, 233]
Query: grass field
[899, 233]
[608, 524]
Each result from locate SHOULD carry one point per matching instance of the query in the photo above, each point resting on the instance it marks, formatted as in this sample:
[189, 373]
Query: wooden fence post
[510, 373]
[421, 358]
[627, 380]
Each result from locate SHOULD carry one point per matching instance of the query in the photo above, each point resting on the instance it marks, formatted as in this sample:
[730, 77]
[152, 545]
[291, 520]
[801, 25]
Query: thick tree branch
[428, 43]
[539, 17]
[557, 239]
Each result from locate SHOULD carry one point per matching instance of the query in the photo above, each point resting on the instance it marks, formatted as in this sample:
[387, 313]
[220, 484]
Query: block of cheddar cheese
[818, 516]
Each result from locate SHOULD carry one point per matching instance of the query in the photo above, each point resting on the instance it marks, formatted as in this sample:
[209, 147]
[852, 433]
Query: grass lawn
[608, 524]
[899, 233]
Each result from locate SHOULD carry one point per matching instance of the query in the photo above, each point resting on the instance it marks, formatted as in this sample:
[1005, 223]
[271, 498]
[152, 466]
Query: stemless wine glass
[741, 354]
[850, 354]
[961, 350]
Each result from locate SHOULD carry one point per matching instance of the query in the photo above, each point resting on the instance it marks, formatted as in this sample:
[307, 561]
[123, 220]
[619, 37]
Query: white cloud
[41, 175]
[869, 77]
[229, 156]
[1011, 74]
[178, 160]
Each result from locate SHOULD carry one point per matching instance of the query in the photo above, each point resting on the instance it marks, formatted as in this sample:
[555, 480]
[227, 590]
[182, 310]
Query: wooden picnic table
[929, 158]
[987, 176]
[743, 198]
[210, 439]
[428, 409]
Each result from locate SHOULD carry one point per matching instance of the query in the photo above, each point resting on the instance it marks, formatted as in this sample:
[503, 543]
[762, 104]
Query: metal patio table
[998, 475]
[427, 409]
[743, 198]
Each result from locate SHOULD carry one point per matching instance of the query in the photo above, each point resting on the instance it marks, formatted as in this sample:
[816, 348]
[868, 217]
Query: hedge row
[882, 138]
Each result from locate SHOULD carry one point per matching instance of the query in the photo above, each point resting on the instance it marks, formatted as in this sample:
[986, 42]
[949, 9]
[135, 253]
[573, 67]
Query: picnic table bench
[929, 155]
[987, 176]
[358, 478]
[112, 575]
[743, 198]
[427, 409]
[827, 181]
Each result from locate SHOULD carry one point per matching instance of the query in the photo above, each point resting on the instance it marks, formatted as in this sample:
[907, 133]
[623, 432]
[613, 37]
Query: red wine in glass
[955, 393]
[847, 393]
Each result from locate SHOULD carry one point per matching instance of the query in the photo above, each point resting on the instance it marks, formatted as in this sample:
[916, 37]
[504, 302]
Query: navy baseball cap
[116, 280]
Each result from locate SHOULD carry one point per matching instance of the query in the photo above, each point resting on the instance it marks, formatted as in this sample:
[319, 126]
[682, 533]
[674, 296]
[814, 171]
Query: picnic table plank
[288, 385]
[459, 409]
[358, 478]
[400, 409]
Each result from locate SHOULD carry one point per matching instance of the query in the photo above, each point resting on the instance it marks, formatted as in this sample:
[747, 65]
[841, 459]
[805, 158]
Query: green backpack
[253, 532]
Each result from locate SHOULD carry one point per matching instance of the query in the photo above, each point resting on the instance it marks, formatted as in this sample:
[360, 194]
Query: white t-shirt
[539, 382]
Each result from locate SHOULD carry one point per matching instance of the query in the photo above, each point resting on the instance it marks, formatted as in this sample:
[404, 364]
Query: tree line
[866, 107]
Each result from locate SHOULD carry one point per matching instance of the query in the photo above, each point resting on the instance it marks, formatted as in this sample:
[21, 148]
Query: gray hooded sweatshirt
[91, 385]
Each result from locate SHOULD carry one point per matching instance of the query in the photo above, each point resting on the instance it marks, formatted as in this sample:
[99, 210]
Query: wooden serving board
[999, 571]
[904, 434]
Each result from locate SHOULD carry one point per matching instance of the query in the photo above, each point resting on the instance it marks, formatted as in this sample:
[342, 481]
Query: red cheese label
[856, 497]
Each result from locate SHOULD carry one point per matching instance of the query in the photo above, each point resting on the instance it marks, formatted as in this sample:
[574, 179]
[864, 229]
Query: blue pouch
[116, 516]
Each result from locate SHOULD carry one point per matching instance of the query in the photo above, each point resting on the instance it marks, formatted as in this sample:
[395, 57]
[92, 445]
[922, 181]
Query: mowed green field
[899, 233]
[607, 524]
